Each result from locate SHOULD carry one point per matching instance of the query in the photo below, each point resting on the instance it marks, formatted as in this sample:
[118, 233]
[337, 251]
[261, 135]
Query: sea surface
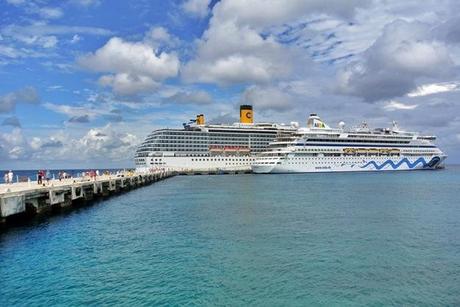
[267, 240]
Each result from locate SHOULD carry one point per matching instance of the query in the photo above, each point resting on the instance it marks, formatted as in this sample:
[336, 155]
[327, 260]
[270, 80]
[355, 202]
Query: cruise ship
[209, 147]
[320, 148]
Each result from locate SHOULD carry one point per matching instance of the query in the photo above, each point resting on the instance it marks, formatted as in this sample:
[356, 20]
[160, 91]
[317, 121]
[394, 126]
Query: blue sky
[84, 81]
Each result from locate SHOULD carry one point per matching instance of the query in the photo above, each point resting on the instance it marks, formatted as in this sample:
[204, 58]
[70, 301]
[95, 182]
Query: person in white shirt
[10, 177]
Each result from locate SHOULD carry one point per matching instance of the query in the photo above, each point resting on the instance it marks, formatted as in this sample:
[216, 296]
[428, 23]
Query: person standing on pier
[10, 177]
[48, 176]
[5, 177]
[40, 177]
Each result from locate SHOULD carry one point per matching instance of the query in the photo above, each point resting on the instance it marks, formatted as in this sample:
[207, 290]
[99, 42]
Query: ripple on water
[323, 239]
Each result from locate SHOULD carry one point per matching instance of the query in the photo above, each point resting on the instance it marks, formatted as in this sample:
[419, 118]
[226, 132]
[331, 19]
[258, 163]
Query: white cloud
[10, 52]
[134, 66]
[128, 84]
[67, 109]
[434, 88]
[389, 68]
[44, 41]
[239, 46]
[394, 105]
[89, 111]
[261, 13]
[44, 29]
[230, 54]
[185, 97]
[106, 141]
[75, 39]
[50, 12]
[97, 144]
[159, 37]
[86, 3]
[13, 145]
[268, 98]
[118, 56]
[39, 34]
[9, 101]
[16, 2]
[198, 8]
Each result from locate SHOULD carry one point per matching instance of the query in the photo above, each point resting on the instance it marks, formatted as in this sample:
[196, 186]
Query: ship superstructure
[320, 148]
[209, 147]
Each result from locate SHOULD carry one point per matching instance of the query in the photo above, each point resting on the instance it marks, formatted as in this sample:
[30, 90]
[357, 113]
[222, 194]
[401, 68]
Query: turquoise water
[306, 239]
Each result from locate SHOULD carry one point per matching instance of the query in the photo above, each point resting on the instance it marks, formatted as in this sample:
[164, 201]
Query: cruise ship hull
[200, 164]
[365, 165]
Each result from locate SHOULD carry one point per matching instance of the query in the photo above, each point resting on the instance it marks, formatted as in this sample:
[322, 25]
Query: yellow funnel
[200, 119]
[246, 114]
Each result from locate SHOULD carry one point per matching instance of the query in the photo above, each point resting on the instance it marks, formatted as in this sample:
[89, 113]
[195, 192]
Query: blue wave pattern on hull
[411, 165]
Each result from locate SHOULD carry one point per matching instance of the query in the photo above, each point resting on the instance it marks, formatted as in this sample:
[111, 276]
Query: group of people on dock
[43, 175]
[8, 177]
[92, 174]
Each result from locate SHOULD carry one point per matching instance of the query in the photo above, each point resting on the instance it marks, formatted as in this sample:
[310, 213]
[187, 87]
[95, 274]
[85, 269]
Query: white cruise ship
[320, 148]
[201, 147]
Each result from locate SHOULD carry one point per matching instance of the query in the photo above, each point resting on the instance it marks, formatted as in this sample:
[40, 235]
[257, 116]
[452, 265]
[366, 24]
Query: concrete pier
[29, 198]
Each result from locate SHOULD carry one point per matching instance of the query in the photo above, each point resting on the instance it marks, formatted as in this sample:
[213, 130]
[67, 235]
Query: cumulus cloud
[97, 144]
[268, 98]
[51, 143]
[434, 88]
[238, 46]
[394, 105]
[230, 54]
[71, 110]
[261, 13]
[449, 30]
[27, 95]
[128, 84]
[134, 66]
[225, 118]
[11, 121]
[13, 145]
[85, 113]
[196, 97]
[107, 141]
[198, 8]
[160, 38]
[390, 67]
